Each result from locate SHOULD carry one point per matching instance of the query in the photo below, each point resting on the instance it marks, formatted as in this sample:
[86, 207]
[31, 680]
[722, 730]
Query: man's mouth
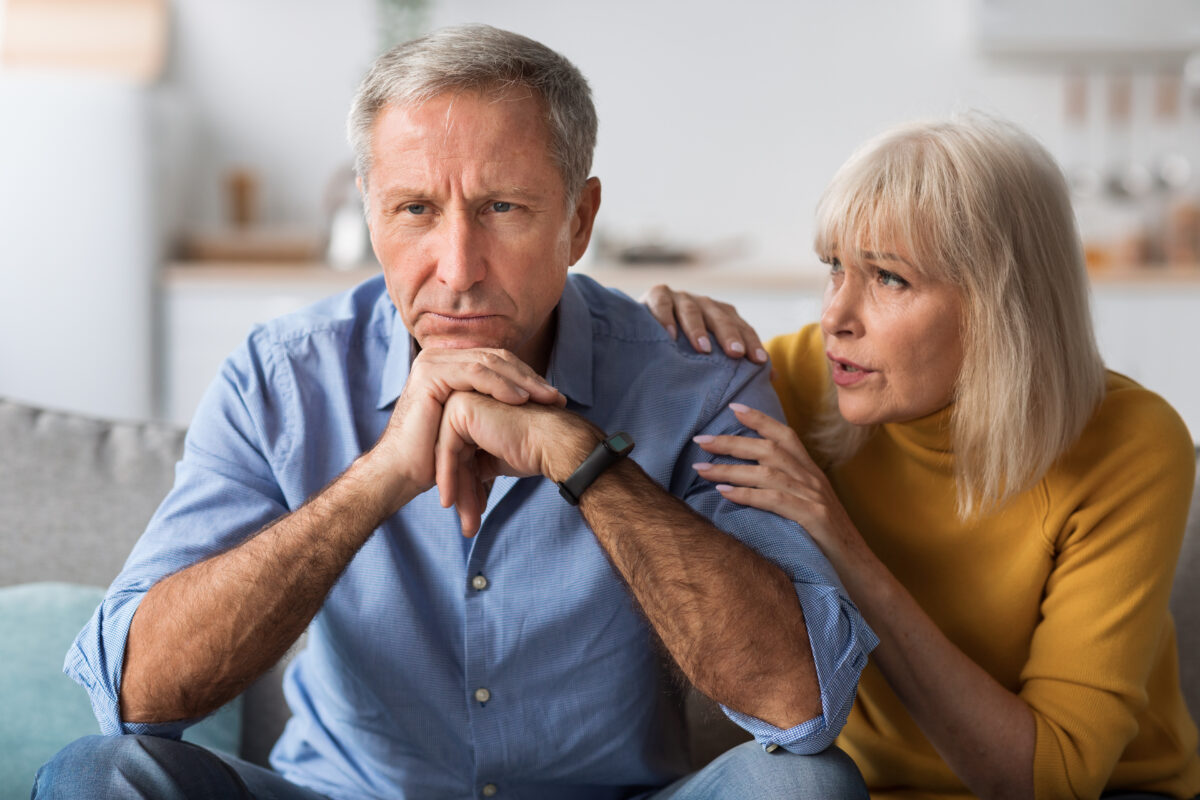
[458, 316]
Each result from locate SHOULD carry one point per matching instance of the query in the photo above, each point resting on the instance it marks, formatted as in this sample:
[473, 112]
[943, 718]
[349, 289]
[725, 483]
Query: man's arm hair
[729, 617]
[219, 624]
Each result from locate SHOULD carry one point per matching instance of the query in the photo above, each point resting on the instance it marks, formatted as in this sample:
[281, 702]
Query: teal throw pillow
[44, 710]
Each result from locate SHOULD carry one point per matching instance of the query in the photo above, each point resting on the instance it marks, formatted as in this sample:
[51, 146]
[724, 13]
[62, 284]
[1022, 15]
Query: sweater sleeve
[1116, 507]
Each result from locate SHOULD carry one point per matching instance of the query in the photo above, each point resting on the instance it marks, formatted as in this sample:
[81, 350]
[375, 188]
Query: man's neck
[536, 352]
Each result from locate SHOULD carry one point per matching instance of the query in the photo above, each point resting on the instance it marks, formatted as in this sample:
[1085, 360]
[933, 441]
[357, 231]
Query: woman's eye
[501, 207]
[835, 265]
[891, 279]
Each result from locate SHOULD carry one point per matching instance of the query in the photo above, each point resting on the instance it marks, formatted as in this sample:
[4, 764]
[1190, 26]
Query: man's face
[469, 220]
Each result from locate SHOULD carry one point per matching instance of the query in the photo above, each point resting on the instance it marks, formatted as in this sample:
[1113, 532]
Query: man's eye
[501, 207]
[415, 209]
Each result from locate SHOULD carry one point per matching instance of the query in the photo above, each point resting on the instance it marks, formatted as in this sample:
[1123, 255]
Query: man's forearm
[729, 617]
[202, 635]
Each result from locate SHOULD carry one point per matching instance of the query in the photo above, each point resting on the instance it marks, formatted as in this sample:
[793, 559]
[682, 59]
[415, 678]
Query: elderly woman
[1005, 513]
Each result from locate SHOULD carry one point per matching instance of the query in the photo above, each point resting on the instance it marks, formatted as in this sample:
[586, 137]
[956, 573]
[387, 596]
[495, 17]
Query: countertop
[731, 276]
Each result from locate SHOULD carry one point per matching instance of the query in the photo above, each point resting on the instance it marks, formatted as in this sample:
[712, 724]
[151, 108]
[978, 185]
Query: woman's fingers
[774, 500]
[758, 476]
[660, 301]
[691, 321]
[697, 316]
[736, 336]
[773, 430]
[670, 307]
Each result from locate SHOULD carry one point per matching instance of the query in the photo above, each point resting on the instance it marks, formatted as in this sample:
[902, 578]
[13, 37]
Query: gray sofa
[76, 492]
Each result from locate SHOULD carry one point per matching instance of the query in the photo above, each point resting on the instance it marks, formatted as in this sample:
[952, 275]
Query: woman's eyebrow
[885, 256]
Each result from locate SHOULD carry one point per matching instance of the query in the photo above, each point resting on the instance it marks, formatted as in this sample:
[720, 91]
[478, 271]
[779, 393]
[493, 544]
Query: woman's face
[892, 337]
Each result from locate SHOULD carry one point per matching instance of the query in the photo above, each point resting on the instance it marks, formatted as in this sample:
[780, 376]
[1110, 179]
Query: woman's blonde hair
[978, 202]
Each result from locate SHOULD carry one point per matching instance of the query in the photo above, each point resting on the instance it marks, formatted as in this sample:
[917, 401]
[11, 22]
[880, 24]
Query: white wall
[263, 85]
[79, 243]
[725, 120]
[719, 121]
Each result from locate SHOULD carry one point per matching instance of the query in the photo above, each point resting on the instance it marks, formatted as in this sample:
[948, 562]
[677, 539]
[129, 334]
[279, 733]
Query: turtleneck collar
[927, 435]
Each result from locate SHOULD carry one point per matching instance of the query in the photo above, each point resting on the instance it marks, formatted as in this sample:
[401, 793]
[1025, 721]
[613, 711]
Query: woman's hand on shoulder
[697, 315]
[785, 480]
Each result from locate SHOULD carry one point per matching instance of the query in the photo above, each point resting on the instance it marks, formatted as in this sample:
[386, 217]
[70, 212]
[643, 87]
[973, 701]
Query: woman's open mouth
[847, 373]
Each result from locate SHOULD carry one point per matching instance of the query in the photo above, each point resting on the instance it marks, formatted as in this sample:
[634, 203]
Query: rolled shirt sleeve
[224, 492]
[839, 637]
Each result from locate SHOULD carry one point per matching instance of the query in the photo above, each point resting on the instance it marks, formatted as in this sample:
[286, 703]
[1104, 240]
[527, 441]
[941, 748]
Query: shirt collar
[570, 368]
[399, 361]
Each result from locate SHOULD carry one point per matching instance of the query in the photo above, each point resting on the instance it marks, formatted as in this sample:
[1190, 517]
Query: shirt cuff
[840, 640]
[95, 662]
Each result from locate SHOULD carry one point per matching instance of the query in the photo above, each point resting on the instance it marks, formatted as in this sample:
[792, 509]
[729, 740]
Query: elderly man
[532, 655]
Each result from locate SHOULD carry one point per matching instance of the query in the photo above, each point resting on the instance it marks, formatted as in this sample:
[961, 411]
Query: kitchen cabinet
[1147, 322]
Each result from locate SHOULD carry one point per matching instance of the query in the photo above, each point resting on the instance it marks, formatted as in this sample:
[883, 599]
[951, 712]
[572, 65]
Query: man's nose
[460, 259]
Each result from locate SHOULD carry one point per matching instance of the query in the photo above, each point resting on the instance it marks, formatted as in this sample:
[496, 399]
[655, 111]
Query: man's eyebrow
[395, 192]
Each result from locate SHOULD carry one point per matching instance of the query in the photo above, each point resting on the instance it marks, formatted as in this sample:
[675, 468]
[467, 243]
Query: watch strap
[614, 448]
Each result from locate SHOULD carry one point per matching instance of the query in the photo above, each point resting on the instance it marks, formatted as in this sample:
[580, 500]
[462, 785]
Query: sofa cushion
[44, 710]
[77, 492]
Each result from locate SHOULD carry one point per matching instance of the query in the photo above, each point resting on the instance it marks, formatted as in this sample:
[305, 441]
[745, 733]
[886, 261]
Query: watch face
[620, 442]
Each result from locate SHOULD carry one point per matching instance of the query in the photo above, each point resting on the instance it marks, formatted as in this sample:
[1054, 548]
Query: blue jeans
[162, 769]
[747, 771]
[153, 768]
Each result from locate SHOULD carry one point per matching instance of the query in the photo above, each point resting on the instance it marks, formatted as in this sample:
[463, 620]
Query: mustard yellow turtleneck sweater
[1061, 595]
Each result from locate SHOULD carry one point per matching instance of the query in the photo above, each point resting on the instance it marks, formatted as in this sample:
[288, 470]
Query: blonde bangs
[891, 196]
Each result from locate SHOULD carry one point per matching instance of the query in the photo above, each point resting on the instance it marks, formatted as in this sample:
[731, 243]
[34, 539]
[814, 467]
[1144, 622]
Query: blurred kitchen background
[173, 171]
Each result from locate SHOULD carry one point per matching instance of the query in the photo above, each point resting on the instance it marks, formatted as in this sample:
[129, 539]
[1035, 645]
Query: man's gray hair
[480, 58]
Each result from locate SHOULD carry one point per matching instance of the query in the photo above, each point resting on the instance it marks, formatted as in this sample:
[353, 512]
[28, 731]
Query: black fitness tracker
[607, 453]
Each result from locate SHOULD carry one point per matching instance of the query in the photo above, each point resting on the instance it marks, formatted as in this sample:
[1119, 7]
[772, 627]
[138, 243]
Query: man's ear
[584, 217]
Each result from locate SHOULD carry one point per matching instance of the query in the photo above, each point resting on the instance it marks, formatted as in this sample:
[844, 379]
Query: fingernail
[672, 331]
[740, 408]
[723, 487]
[761, 355]
[521, 391]
[737, 347]
[703, 466]
[705, 344]
[703, 438]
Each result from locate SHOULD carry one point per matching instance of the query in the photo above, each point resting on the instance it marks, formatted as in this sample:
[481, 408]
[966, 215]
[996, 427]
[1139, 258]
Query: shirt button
[489, 790]
[480, 583]
[771, 748]
[483, 695]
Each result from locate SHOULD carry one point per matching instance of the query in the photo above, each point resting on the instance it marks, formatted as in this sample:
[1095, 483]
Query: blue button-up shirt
[440, 664]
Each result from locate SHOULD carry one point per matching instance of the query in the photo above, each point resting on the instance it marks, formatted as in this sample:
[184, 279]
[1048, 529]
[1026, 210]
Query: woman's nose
[840, 312]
